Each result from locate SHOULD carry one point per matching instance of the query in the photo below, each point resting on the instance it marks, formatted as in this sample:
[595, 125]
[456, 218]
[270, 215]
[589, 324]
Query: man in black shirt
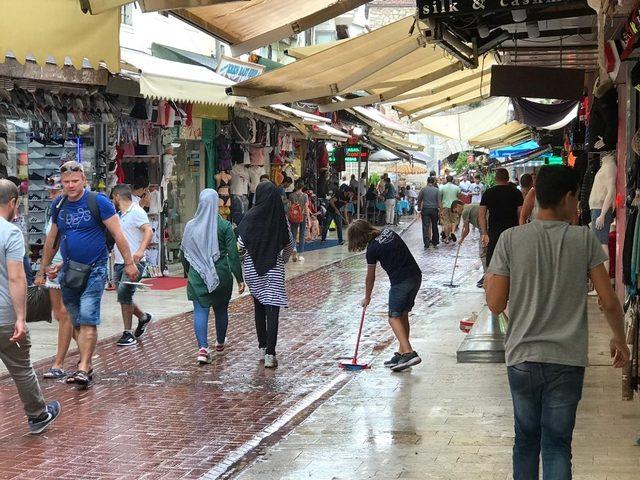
[503, 203]
[334, 204]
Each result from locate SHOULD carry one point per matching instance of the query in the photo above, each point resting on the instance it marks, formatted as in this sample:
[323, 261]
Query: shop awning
[54, 31]
[309, 118]
[183, 56]
[178, 81]
[96, 7]
[505, 135]
[303, 52]
[375, 118]
[387, 141]
[472, 123]
[392, 57]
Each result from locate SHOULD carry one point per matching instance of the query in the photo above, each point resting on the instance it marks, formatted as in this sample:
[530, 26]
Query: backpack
[295, 213]
[92, 203]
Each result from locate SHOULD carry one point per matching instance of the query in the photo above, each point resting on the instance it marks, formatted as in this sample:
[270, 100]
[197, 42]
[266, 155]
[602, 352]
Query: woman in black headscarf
[265, 241]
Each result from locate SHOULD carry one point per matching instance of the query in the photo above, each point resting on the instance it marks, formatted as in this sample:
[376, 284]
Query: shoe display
[35, 176]
[406, 360]
[35, 229]
[142, 325]
[70, 144]
[270, 361]
[36, 220]
[33, 155]
[35, 144]
[126, 340]
[52, 145]
[36, 208]
[40, 424]
[393, 360]
[204, 356]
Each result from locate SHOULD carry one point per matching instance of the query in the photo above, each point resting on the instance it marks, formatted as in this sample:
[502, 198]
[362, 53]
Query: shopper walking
[450, 193]
[333, 214]
[548, 331]
[266, 244]
[298, 214]
[388, 248]
[389, 200]
[503, 203]
[81, 219]
[138, 232]
[210, 258]
[429, 204]
[15, 342]
[476, 189]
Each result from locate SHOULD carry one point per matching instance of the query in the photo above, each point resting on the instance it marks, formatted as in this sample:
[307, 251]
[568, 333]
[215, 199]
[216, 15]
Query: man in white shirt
[465, 189]
[476, 189]
[138, 232]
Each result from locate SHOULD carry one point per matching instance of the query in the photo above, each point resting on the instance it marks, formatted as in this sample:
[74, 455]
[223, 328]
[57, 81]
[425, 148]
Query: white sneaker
[301, 258]
[270, 361]
[204, 356]
[263, 353]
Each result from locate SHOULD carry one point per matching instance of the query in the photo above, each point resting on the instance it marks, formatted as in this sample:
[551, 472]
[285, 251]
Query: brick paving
[153, 413]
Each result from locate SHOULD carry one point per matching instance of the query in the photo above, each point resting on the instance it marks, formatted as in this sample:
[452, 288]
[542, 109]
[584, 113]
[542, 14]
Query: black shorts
[402, 296]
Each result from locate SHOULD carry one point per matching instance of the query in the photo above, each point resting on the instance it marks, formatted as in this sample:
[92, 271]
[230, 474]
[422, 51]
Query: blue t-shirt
[85, 237]
[394, 256]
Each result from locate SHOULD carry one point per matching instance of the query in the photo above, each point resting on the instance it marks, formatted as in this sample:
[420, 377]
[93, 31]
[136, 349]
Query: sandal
[82, 378]
[54, 374]
[72, 378]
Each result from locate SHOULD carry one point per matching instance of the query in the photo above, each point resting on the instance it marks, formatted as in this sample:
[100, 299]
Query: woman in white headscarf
[210, 258]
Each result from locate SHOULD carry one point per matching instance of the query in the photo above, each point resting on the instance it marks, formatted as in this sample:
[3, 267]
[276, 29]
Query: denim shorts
[84, 307]
[402, 296]
[126, 291]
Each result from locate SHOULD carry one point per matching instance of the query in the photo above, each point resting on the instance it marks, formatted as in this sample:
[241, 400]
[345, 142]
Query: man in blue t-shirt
[83, 241]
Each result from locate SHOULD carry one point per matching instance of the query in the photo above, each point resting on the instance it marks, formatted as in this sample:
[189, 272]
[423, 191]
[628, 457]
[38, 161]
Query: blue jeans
[302, 228]
[545, 400]
[126, 291]
[201, 323]
[331, 215]
[84, 307]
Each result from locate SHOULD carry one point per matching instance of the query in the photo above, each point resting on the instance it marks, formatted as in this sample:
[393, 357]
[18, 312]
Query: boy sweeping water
[386, 246]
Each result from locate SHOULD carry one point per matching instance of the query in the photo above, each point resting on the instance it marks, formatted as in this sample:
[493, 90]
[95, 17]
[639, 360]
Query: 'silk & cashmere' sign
[448, 8]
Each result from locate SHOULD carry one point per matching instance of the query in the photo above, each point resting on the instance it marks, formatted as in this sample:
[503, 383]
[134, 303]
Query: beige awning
[375, 118]
[504, 135]
[54, 31]
[177, 81]
[391, 141]
[96, 7]
[303, 52]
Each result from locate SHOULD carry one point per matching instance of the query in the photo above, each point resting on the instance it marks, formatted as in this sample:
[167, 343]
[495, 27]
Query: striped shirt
[267, 289]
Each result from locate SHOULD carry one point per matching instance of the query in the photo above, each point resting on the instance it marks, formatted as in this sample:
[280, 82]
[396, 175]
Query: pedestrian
[313, 225]
[210, 258]
[298, 215]
[333, 214]
[470, 215]
[450, 193]
[15, 341]
[476, 189]
[65, 326]
[503, 203]
[80, 219]
[266, 244]
[353, 183]
[388, 248]
[20, 221]
[389, 201]
[412, 197]
[138, 232]
[546, 344]
[526, 184]
[429, 204]
[382, 184]
[465, 189]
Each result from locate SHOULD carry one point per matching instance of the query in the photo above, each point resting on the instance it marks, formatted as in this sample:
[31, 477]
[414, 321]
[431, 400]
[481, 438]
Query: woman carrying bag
[210, 258]
[266, 242]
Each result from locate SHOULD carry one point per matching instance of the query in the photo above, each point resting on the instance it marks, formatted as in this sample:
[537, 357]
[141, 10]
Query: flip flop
[54, 374]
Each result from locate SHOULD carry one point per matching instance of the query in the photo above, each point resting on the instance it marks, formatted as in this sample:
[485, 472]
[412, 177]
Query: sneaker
[405, 361]
[35, 144]
[393, 360]
[142, 325]
[40, 424]
[263, 353]
[34, 155]
[300, 258]
[270, 361]
[126, 340]
[219, 347]
[70, 144]
[204, 356]
[453, 237]
[480, 283]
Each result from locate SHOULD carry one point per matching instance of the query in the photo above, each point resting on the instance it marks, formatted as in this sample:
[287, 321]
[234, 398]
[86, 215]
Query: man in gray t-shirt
[15, 342]
[541, 269]
[429, 203]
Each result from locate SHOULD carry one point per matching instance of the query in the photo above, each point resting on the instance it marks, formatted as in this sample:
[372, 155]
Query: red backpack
[295, 213]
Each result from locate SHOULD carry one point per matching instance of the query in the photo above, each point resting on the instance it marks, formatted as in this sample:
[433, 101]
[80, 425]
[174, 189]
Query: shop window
[126, 15]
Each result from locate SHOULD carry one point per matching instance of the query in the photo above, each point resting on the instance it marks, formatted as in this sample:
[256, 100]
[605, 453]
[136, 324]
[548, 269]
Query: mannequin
[602, 198]
[223, 182]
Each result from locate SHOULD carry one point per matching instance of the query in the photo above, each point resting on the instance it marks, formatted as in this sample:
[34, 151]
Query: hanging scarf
[264, 229]
[200, 239]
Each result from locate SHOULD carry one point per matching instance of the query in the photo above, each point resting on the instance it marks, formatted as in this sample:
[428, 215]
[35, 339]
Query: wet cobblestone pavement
[153, 413]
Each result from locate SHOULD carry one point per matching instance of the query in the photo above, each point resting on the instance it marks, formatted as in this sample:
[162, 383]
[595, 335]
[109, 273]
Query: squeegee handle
[355, 355]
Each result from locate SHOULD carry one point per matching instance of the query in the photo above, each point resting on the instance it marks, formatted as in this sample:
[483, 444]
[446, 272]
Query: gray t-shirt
[547, 263]
[11, 248]
[429, 197]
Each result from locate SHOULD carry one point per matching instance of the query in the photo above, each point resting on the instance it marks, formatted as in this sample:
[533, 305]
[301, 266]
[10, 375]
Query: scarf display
[264, 229]
[200, 240]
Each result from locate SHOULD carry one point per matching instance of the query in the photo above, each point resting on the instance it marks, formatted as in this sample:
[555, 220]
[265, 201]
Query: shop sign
[193, 132]
[237, 70]
[353, 152]
[440, 8]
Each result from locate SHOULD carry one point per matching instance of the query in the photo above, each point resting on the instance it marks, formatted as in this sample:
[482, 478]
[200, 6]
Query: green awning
[184, 56]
